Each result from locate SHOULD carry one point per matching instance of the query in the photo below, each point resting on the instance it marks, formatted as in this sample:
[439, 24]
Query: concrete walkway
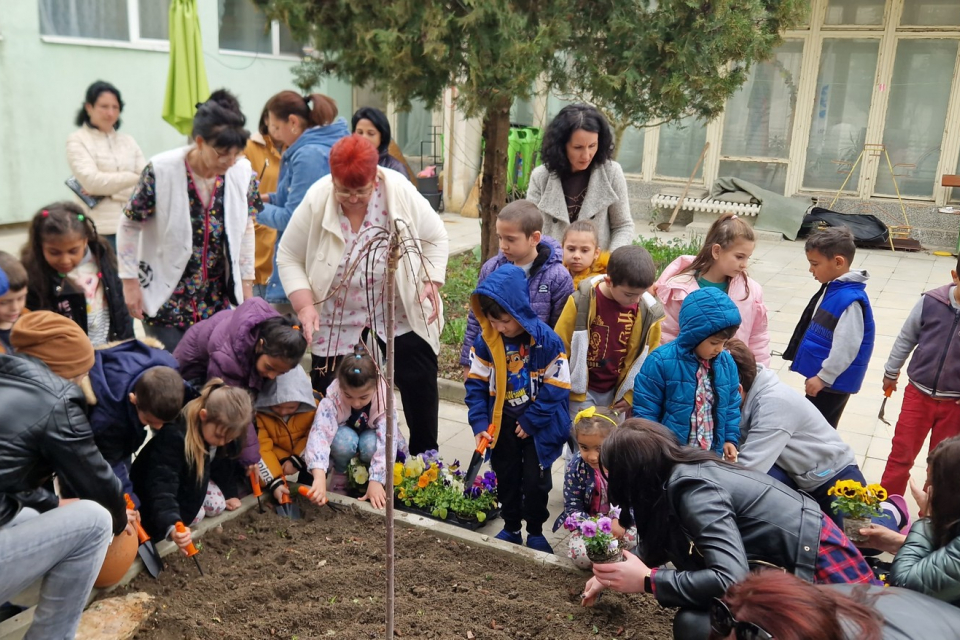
[896, 281]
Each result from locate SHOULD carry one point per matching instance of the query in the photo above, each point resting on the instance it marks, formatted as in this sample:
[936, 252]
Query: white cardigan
[106, 165]
[165, 238]
[312, 247]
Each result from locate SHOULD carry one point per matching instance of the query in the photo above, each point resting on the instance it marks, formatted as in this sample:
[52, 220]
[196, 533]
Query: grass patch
[664, 252]
[462, 273]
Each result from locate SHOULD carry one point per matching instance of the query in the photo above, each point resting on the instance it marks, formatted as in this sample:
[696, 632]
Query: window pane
[100, 19]
[288, 45]
[936, 13]
[367, 97]
[916, 113]
[554, 105]
[841, 105]
[414, 135]
[760, 115]
[522, 112]
[630, 151]
[155, 19]
[769, 175]
[859, 12]
[243, 27]
[680, 146]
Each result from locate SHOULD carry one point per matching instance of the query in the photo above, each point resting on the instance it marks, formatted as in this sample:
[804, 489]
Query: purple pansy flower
[613, 546]
[588, 528]
[605, 524]
[614, 511]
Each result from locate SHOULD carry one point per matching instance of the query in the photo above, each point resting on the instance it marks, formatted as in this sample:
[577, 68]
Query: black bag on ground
[866, 228]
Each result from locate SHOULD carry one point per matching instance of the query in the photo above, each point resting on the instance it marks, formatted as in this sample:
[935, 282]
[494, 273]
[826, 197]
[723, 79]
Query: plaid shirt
[701, 420]
[838, 561]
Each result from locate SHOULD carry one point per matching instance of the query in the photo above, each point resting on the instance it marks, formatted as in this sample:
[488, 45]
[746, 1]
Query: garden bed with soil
[323, 576]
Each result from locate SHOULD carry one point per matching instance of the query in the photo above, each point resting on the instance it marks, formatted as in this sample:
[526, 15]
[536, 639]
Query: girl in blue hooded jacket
[691, 385]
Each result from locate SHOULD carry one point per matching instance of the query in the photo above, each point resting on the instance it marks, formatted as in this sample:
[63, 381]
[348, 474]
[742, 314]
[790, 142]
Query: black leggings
[416, 372]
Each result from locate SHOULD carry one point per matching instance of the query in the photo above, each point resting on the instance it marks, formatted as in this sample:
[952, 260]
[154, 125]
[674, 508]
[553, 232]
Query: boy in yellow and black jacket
[608, 327]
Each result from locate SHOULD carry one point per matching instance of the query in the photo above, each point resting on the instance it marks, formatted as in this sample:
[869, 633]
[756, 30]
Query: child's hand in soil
[233, 504]
[376, 494]
[617, 529]
[318, 490]
[182, 540]
[591, 592]
[279, 491]
[288, 468]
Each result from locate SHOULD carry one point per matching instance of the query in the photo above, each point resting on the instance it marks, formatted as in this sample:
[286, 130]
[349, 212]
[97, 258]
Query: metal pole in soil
[391, 289]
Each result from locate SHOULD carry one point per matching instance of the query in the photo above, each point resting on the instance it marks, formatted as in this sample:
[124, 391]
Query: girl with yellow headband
[585, 484]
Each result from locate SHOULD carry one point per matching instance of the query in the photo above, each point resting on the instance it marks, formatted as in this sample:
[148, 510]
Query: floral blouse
[358, 304]
[203, 287]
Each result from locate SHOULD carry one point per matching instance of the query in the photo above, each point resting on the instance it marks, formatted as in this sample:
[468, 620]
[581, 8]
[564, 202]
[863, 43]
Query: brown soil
[449, 363]
[324, 577]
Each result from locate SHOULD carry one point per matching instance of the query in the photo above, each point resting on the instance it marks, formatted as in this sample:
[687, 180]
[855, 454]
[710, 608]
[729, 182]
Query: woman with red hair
[332, 261]
[773, 604]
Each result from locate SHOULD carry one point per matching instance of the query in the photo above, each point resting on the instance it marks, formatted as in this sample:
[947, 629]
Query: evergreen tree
[639, 60]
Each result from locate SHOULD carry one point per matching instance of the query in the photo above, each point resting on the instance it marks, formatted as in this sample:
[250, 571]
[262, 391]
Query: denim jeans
[64, 546]
[347, 443]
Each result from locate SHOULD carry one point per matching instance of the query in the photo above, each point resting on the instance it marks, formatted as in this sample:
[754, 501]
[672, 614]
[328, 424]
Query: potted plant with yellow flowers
[857, 504]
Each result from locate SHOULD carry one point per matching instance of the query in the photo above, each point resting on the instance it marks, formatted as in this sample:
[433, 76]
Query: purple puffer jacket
[549, 286]
[223, 346]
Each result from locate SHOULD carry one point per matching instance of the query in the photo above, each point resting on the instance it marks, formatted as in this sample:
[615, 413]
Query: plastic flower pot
[852, 526]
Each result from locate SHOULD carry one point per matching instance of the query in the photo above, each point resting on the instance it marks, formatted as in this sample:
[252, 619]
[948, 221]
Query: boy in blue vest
[833, 341]
[931, 402]
[519, 381]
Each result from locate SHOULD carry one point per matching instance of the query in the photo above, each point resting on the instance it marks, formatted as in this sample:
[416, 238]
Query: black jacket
[44, 430]
[724, 521]
[70, 302]
[167, 485]
[907, 615]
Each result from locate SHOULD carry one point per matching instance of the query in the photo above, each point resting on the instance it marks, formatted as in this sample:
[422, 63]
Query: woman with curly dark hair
[579, 180]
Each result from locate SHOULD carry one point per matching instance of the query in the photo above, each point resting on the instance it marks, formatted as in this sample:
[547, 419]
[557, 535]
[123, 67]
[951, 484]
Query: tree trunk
[619, 128]
[493, 185]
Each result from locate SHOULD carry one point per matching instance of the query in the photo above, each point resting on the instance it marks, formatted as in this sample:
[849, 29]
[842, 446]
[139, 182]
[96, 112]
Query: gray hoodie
[779, 426]
[293, 386]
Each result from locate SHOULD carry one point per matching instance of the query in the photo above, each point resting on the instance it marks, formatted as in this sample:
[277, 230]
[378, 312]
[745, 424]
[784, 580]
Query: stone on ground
[116, 618]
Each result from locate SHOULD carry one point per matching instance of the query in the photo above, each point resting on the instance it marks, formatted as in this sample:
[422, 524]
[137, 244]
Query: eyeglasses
[359, 194]
[722, 622]
[228, 156]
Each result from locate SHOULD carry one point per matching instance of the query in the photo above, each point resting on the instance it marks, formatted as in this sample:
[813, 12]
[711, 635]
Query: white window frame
[133, 28]
[889, 35]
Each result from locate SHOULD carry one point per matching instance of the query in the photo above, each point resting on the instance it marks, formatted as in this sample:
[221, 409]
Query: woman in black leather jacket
[714, 521]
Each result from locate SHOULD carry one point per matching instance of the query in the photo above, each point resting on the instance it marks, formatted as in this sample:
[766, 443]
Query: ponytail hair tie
[733, 217]
[81, 217]
[296, 327]
[45, 213]
[356, 371]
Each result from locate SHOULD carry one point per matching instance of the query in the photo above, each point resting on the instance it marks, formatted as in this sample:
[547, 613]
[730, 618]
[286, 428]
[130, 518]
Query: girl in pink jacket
[721, 263]
[351, 422]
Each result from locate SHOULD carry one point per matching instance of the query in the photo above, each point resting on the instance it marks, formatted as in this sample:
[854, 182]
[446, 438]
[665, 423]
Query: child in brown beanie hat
[56, 341]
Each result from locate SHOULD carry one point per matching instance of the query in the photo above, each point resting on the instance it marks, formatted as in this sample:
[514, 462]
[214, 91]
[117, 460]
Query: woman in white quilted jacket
[107, 164]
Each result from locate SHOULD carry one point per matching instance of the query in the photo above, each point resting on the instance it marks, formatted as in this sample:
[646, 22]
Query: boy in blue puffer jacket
[691, 386]
[519, 381]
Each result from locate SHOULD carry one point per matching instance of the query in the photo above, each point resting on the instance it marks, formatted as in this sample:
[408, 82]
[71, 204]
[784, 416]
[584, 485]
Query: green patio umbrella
[187, 77]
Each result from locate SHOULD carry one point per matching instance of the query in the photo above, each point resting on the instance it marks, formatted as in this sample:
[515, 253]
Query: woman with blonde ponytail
[184, 473]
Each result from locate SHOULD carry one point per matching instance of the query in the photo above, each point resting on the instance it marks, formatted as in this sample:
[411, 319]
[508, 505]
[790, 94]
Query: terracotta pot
[852, 526]
[120, 555]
